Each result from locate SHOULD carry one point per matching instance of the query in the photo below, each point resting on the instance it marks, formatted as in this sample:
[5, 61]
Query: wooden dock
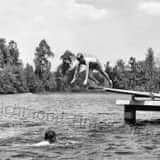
[140, 101]
[132, 106]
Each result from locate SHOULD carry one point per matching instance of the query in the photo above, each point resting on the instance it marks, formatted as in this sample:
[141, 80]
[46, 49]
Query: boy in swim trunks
[91, 63]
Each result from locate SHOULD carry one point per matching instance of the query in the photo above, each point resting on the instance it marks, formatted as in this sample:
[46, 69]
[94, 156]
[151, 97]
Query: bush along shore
[141, 75]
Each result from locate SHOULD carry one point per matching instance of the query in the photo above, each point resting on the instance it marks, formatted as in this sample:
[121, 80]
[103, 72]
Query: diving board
[133, 93]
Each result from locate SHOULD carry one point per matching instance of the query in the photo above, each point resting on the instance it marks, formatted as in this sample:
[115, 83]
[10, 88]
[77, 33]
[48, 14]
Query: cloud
[150, 7]
[82, 10]
[39, 19]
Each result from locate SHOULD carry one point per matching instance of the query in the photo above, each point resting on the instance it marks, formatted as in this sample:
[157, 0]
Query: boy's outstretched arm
[75, 74]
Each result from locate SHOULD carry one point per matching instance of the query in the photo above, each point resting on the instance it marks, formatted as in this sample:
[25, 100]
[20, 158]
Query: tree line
[141, 75]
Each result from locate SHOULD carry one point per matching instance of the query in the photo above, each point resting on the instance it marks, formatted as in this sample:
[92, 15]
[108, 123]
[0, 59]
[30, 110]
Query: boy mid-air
[91, 63]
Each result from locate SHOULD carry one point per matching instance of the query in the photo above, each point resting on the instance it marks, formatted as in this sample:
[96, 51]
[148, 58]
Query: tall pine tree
[42, 64]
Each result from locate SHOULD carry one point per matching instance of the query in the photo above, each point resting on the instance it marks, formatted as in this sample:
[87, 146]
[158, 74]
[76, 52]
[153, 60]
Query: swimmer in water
[49, 138]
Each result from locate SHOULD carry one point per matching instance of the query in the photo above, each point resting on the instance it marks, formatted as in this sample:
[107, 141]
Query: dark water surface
[88, 127]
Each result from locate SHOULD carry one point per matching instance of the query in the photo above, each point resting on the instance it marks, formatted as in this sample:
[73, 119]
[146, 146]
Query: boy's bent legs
[105, 75]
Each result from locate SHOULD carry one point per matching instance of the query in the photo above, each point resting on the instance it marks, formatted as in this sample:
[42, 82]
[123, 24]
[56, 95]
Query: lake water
[88, 127]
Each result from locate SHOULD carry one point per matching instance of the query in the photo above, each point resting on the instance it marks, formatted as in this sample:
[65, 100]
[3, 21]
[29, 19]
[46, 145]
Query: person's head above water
[50, 136]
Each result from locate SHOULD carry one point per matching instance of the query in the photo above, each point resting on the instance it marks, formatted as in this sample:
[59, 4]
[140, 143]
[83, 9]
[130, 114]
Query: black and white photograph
[80, 80]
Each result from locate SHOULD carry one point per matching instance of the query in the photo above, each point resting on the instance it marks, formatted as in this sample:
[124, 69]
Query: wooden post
[129, 114]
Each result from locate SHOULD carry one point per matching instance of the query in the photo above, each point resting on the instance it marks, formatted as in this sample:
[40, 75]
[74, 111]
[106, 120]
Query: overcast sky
[109, 29]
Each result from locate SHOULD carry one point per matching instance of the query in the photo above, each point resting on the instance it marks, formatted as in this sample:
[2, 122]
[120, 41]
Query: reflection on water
[88, 126]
